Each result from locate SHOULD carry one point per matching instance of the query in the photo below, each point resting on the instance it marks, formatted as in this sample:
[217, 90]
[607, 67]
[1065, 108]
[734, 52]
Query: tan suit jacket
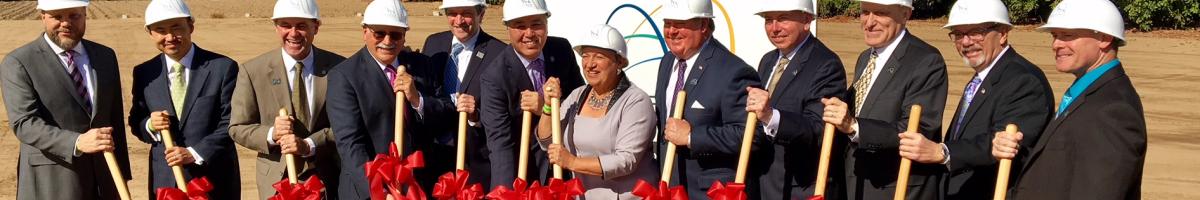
[262, 89]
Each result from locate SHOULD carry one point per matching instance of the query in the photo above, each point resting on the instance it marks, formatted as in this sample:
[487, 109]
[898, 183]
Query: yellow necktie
[783, 62]
[861, 87]
[299, 94]
[178, 88]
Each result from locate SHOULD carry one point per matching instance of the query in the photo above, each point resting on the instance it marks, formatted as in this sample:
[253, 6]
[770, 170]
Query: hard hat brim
[61, 5]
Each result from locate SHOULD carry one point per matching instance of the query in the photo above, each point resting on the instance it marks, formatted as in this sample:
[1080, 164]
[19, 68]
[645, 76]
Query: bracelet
[546, 109]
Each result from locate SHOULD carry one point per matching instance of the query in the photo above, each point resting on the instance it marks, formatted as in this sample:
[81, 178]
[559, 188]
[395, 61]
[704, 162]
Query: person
[261, 91]
[607, 125]
[1095, 147]
[362, 91]
[463, 51]
[709, 136]
[797, 74]
[898, 70]
[61, 114]
[184, 90]
[1006, 89]
[521, 70]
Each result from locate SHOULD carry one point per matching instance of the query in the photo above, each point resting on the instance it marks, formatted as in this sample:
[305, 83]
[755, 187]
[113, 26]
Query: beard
[65, 42]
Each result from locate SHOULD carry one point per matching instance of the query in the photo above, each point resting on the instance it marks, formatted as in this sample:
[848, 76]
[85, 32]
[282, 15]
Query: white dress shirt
[289, 65]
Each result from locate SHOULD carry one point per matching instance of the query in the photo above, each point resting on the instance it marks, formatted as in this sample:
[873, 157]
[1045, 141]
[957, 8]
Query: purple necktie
[537, 71]
[968, 96]
[681, 67]
[390, 72]
[77, 77]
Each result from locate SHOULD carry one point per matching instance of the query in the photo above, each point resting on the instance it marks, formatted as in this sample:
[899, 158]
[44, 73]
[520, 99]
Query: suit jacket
[1093, 150]
[1014, 91]
[914, 74]
[363, 120]
[788, 166]
[443, 113]
[717, 82]
[203, 125]
[500, 110]
[47, 116]
[262, 89]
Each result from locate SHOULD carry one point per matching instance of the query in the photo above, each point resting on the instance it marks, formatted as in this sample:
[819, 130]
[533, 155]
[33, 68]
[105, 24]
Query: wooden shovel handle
[669, 162]
[461, 155]
[523, 156]
[289, 159]
[169, 142]
[556, 131]
[118, 178]
[747, 140]
[914, 121]
[1005, 169]
[823, 166]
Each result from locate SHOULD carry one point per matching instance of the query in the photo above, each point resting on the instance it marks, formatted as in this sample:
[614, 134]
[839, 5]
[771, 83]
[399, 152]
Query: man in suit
[61, 114]
[1095, 146]
[798, 73]
[896, 72]
[186, 90]
[292, 77]
[460, 54]
[709, 136]
[519, 72]
[1006, 89]
[362, 94]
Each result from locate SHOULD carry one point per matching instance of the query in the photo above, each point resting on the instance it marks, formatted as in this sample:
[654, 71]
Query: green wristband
[546, 109]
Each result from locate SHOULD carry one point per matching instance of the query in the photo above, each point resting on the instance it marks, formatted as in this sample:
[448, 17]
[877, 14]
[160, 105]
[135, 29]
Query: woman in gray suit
[607, 125]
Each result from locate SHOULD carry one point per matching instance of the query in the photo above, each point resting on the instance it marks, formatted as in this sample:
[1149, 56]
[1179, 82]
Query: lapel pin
[982, 91]
[479, 54]
[275, 82]
[891, 70]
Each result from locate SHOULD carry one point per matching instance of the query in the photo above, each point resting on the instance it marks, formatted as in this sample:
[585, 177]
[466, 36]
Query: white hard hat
[514, 9]
[386, 12]
[966, 12]
[602, 36]
[1097, 15]
[60, 4]
[905, 3]
[296, 9]
[460, 3]
[159, 10]
[688, 9]
[786, 5]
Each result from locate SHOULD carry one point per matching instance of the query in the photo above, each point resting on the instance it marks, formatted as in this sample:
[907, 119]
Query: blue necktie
[968, 96]
[452, 80]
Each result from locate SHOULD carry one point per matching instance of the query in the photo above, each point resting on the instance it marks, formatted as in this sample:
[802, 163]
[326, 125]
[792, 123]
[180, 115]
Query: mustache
[384, 46]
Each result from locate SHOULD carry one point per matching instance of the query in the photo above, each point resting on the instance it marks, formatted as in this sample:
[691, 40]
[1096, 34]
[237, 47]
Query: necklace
[598, 101]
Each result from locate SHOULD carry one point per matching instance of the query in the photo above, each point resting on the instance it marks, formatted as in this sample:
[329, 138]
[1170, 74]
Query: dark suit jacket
[788, 166]
[1014, 91]
[203, 125]
[1093, 150]
[500, 110]
[363, 114]
[47, 117]
[262, 89]
[914, 74]
[718, 82]
[443, 114]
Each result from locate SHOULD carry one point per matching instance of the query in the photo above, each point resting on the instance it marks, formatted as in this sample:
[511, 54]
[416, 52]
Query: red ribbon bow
[388, 173]
[198, 189]
[521, 192]
[453, 185]
[731, 191]
[662, 192]
[309, 190]
[565, 190]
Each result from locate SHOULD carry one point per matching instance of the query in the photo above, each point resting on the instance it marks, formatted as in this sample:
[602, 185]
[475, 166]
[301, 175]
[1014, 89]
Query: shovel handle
[669, 162]
[1005, 169]
[290, 159]
[914, 121]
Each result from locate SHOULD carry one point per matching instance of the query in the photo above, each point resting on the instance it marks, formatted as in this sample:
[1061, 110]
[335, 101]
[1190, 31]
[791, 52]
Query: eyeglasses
[974, 35]
[395, 35]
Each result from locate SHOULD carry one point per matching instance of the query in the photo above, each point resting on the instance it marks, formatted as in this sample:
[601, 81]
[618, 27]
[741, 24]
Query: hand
[404, 83]
[466, 103]
[530, 101]
[283, 126]
[559, 155]
[159, 121]
[1006, 146]
[178, 156]
[835, 113]
[758, 102]
[678, 131]
[916, 147]
[551, 90]
[95, 140]
[290, 144]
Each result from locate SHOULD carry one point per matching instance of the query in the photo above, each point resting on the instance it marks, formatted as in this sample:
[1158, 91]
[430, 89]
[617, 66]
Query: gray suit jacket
[47, 116]
[262, 88]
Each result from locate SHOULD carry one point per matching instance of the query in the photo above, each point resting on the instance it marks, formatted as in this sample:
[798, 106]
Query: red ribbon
[453, 185]
[817, 197]
[662, 192]
[198, 189]
[731, 191]
[521, 192]
[388, 173]
[565, 190]
[309, 190]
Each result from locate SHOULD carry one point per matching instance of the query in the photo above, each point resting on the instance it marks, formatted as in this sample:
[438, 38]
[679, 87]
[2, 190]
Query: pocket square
[697, 105]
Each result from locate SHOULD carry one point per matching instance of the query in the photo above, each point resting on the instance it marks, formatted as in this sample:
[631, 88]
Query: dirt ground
[1162, 66]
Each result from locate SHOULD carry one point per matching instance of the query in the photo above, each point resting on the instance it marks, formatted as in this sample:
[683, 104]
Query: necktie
[178, 87]
[537, 71]
[390, 72]
[968, 97]
[861, 87]
[299, 94]
[681, 67]
[77, 77]
[452, 80]
[779, 68]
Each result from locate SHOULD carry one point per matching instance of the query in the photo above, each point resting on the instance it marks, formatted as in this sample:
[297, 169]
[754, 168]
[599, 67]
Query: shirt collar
[289, 62]
[469, 44]
[59, 50]
[186, 61]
